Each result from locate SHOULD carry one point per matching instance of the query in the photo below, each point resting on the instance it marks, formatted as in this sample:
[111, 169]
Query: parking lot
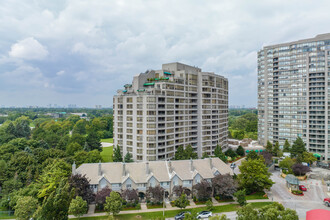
[312, 199]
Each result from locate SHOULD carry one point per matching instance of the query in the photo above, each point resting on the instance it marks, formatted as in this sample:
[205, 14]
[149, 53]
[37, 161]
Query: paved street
[313, 198]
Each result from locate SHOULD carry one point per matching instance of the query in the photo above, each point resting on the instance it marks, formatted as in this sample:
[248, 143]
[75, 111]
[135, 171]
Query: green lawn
[107, 140]
[106, 154]
[258, 195]
[172, 213]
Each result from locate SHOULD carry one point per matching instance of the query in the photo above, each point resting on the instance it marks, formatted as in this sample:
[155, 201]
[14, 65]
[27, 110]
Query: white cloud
[28, 49]
[96, 46]
[60, 73]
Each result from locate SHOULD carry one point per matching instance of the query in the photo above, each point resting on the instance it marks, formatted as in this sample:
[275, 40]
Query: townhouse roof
[163, 171]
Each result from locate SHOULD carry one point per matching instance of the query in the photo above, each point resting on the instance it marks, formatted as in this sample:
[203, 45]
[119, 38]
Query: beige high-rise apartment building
[178, 105]
[293, 90]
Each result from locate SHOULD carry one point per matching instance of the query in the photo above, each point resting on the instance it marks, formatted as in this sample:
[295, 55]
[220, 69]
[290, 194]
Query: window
[128, 185]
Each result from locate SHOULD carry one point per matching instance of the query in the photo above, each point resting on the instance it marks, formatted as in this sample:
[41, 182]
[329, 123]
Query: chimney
[74, 168]
[191, 165]
[211, 162]
[124, 169]
[147, 168]
[99, 170]
[170, 166]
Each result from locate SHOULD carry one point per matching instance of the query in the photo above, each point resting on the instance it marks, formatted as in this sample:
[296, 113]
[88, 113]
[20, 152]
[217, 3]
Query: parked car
[302, 188]
[233, 165]
[180, 215]
[326, 201]
[204, 214]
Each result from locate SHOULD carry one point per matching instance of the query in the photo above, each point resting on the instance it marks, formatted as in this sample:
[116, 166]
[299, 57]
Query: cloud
[28, 49]
[82, 51]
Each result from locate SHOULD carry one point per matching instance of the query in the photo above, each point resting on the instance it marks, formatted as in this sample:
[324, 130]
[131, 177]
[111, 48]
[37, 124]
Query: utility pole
[164, 203]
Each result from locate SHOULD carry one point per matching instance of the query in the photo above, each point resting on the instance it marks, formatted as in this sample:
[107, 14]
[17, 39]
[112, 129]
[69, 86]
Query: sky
[81, 52]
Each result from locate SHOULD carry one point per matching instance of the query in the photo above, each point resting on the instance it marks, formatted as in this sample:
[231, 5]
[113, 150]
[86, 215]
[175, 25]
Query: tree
[130, 195]
[286, 164]
[179, 153]
[56, 205]
[51, 177]
[78, 207]
[155, 193]
[117, 156]
[3, 170]
[308, 157]
[240, 151]
[80, 127]
[203, 190]
[80, 185]
[300, 170]
[25, 207]
[274, 211]
[181, 202]
[254, 176]
[240, 195]
[190, 153]
[209, 205]
[276, 149]
[92, 141]
[100, 197]
[298, 147]
[231, 153]
[178, 190]
[269, 147]
[113, 204]
[286, 146]
[205, 155]
[218, 153]
[252, 155]
[239, 134]
[267, 156]
[128, 158]
[224, 186]
[72, 148]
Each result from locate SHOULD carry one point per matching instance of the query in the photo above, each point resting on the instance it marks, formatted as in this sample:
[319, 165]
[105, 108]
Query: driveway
[313, 198]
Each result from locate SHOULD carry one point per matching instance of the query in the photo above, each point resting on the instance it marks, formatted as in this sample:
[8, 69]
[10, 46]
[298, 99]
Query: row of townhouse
[141, 175]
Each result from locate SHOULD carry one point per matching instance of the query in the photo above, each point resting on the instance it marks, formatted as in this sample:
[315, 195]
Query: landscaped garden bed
[173, 203]
[297, 192]
[154, 205]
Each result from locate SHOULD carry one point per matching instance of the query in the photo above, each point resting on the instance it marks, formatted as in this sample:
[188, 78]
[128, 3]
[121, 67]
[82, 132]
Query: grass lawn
[172, 213]
[154, 206]
[106, 154]
[107, 140]
[257, 195]
[226, 200]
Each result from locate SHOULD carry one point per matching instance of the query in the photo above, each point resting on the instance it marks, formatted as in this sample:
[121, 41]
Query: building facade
[142, 175]
[178, 105]
[293, 90]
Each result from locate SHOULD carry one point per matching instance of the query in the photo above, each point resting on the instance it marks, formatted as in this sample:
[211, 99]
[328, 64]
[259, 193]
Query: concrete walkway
[144, 209]
[91, 209]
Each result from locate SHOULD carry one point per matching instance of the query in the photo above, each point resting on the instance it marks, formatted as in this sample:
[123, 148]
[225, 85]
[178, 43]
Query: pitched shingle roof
[162, 170]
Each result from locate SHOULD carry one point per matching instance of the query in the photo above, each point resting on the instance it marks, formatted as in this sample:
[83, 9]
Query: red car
[302, 188]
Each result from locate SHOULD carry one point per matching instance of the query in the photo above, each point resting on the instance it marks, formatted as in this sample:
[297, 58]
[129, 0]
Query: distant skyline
[81, 52]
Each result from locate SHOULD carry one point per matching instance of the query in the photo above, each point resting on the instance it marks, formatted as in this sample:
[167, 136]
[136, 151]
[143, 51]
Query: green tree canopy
[78, 207]
[286, 146]
[52, 176]
[25, 207]
[254, 176]
[181, 202]
[117, 156]
[298, 147]
[274, 211]
[113, 204]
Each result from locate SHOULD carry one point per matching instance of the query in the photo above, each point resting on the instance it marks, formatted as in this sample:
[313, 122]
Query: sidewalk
[169, 208]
